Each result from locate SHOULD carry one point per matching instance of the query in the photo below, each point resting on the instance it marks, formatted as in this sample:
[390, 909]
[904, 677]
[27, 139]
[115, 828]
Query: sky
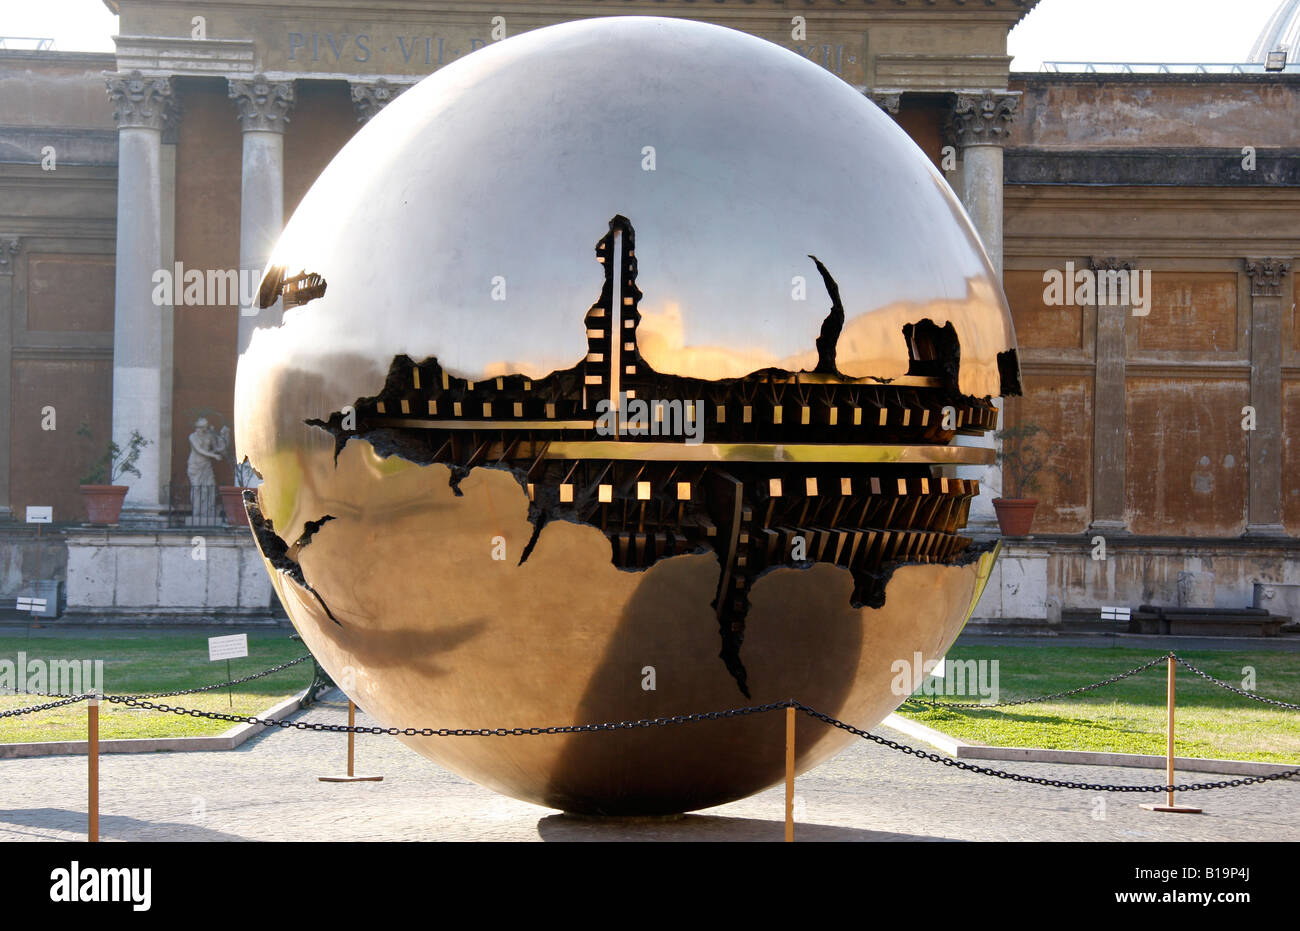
[1055, 30]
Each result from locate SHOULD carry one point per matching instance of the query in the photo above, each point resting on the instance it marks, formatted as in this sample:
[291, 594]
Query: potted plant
[232, 496]
[104, 498]
[1022, 463]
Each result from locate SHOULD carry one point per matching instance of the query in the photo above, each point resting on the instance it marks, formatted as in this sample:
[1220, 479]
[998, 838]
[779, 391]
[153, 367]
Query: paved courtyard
[268, 790]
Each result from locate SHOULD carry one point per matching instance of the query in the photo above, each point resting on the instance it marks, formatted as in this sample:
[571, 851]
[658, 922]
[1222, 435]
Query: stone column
[9, 248]
[369, 97]
[167, 311]
[978, 125]
[1109, 413]
[263, 114]
[1264, 443]
[141, 104]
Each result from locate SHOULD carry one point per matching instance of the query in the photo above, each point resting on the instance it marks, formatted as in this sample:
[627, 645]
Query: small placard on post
[40, 515]
[233, 647]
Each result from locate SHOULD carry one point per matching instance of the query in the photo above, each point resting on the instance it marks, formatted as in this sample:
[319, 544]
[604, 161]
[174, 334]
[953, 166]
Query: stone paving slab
[268, 790]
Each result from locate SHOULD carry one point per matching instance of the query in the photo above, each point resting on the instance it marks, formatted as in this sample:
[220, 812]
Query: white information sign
[232, 647]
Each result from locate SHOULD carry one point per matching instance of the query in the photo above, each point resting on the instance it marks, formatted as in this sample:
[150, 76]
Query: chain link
[1232, 688]
[1113, 679]
[72, 700]
[137, 702]
[204, 688]
[1036, 780]
[143, 702]
[691, 718]
[1029, 701]
[222, 685]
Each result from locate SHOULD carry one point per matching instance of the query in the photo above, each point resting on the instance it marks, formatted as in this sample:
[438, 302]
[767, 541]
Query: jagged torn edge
[283, 556]
[389, 444]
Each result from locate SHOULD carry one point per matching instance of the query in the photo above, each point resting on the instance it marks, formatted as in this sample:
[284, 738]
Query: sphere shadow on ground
[804, 641]
[704, 828]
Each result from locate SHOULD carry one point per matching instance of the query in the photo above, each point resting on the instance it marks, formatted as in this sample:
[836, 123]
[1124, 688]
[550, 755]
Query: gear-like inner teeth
[777, 469]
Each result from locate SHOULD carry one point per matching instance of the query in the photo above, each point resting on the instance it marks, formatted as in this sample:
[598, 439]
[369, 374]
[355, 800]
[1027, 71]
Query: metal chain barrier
[142, 702]
[1041, 698]
[134, 702]
[1113, 679]
[205, 688]
[1036, 780]
[72, 700]
[691, 718]
[1232, 688]
[222, 685]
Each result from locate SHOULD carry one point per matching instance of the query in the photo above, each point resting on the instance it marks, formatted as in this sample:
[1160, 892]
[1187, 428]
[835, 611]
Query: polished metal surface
[432, 632]
[488, 172]
[492, 179]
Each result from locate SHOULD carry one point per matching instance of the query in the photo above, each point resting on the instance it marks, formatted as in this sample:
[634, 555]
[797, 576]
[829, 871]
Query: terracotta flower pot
[1015, 515]
[103, 502]
[232, 500]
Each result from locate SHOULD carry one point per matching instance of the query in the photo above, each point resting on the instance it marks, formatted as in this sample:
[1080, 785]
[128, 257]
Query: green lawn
[147, 661]
[1127, 716]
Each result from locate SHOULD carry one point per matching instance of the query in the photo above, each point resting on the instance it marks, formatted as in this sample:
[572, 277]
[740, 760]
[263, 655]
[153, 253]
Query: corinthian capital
[982, 118]
[1266, 276]
[264, 105]
[140, 101]
[371, 97]
[889, 101]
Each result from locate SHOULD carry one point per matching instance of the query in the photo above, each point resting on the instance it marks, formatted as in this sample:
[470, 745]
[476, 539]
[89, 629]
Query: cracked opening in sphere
[774, 470]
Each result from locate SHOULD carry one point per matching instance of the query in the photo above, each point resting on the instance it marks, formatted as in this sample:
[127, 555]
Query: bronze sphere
[508, 482]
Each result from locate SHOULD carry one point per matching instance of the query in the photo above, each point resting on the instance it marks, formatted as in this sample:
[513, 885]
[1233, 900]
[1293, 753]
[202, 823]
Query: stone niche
[190, 576]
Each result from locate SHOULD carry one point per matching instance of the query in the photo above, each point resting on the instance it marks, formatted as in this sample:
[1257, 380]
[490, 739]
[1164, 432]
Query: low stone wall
[22, 558]
[211, 575]
[1036, 577]
[204, 574]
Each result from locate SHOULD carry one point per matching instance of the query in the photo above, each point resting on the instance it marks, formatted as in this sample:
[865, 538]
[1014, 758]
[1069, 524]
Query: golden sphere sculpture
[509, 482]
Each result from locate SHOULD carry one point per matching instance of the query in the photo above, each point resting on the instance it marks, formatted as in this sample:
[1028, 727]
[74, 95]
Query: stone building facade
[189, 147]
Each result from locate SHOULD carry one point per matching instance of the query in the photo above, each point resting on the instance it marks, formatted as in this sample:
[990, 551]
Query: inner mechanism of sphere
[776, 469]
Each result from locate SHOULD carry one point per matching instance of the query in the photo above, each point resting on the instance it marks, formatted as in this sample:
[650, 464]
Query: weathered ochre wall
[56, 92]
[1077, 112]
[322, 120]
[1187, 362]
[922, 119]
[1058, 398]
[1291, 454]
[1061, 405]
[208, 157]
[1291, 411]
[68, 297]
[1186, 455]
[58, 154]
[1191, 312]
[1039, 325]
[48, 465]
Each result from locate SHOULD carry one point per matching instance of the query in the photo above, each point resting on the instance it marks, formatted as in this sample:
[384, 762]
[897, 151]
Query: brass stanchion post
[92, 768]
[1169, 751]
[351, 740]
[789, 774]
[352, 744]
